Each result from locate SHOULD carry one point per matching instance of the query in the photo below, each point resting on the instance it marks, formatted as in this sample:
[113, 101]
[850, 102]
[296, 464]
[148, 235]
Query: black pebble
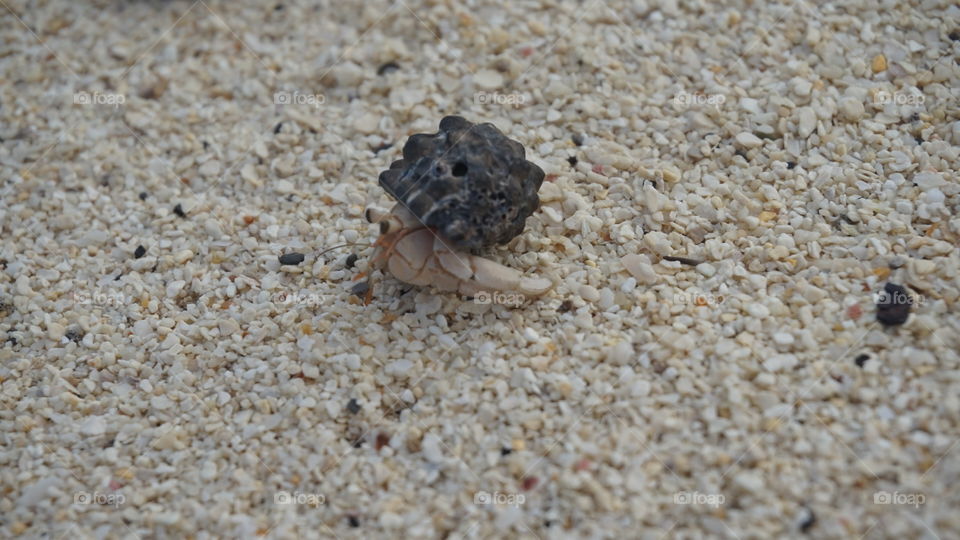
[861, 359]
[178, 210]
[381, 148]
[351, 260]
[74, 335]
[577, 139]
[354, 522]
[143, 195]
[353, 406]
[387, 68]
[808, 522]
[505, 451]
[276, 128]
[360, 289]
[791, 165]
[140, 252]
[955, 35]
[893, 305]
[572, 160]
[565, 306]
[291, 258]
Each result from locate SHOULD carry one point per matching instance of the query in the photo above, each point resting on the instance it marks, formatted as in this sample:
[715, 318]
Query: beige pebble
[55, 331]
[183, 256]
[368, 123]
[879, 63]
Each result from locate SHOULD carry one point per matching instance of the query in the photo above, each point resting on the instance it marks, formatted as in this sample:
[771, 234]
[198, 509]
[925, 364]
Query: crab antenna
[343, 245]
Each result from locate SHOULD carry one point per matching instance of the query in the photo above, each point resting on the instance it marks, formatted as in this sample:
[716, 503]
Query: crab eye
[460, 169]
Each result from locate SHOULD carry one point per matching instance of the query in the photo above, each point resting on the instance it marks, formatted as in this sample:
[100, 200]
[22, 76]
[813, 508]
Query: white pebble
[142, 328]
[780, 362]
[160, 402]
[759, 311]
[589, 293]
[928, 180]
[748, 140]
[851, 108]
[432, 448]
[283, 186]
[934, 196]
[183, 256]
[807, 122]
[620, 354]
[640, 268]
[706, 269]
[606, 298]
[488, 79]
[311, 371]
[210, 168]
[783, 338]
[93, 426]
[801, 87]
[640, 388]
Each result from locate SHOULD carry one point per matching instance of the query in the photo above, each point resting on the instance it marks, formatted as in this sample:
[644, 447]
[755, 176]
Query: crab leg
[418, 256]
[476, 274]
[423, 258]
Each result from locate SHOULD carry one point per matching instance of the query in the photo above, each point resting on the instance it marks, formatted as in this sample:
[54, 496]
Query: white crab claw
[418, 256]
[478, 274]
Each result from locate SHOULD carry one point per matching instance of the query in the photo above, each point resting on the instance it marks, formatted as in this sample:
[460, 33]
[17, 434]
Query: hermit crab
[458, 191]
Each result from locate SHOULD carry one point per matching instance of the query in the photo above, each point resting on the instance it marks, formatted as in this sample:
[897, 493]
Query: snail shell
[468, 181]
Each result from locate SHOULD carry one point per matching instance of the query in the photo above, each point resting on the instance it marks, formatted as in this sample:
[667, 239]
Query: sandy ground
[162, 376]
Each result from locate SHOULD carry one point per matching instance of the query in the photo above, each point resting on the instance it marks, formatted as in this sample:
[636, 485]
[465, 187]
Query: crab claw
[417, 255]
[476, 274]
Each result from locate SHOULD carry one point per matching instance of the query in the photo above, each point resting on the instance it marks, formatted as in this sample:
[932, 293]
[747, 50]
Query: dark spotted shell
[468, 181]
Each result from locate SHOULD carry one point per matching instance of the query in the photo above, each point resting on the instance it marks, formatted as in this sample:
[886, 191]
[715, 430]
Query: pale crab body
[418, 255]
